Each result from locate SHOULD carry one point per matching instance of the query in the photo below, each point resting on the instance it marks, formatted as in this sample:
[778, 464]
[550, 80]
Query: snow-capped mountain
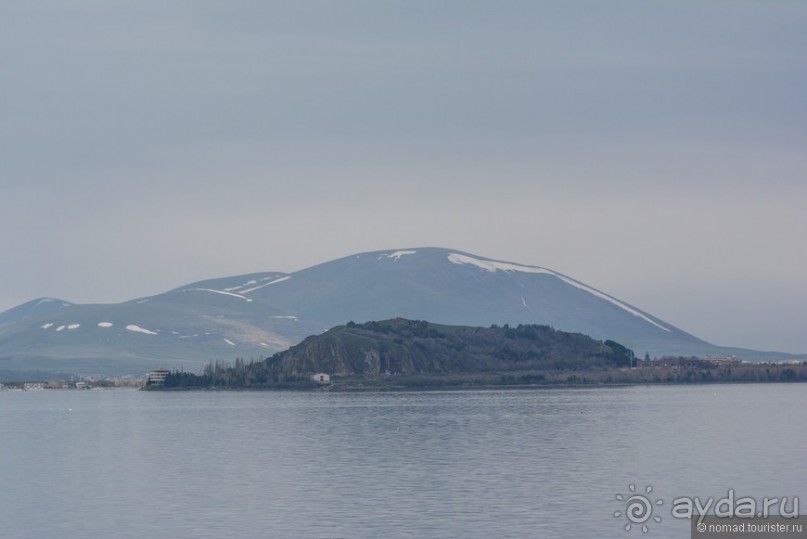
[255, 315]
[453, 287]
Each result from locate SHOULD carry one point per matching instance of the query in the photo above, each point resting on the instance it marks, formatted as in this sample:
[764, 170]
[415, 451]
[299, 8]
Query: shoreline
[381, 388]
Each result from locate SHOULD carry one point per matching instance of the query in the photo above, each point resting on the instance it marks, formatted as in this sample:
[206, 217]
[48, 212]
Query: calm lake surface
[467, 464]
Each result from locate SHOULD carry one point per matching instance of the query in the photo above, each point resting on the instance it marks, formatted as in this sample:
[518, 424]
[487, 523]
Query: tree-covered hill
[406, 348]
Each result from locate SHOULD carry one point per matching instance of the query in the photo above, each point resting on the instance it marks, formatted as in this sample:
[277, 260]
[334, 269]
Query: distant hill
[259, 314]
[178, 329]
[32, 310]
[407, 348]
[452, 287]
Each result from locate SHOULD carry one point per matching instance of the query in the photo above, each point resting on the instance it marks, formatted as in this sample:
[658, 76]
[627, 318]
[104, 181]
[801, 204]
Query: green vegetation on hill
[402, 353]
[418, 351]
[405, 347]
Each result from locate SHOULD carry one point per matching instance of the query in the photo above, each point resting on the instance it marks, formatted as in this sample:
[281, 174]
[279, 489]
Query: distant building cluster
[71, 385]
[689, 363]
[723, 361]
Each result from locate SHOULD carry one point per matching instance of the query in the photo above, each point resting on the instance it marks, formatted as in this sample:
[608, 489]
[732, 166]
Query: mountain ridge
[257, 314]
[32, 309]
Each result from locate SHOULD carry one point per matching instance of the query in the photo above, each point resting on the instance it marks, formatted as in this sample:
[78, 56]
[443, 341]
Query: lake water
[468, 464]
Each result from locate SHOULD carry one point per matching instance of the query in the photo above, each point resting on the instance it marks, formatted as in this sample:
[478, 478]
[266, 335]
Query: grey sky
[654, 150]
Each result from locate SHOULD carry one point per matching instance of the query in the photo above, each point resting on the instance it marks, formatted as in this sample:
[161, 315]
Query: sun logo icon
[638, 508]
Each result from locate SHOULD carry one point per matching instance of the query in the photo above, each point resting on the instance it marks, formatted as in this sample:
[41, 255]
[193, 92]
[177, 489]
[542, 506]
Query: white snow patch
[398, 254]
[138, 329]
[493, 266]
[264, 344]
[609, 299]
[46, 326]
[239, 296]
[105, 324]
[51, 300]
[228, 341]
[143, 301]
[524, 301]
[248, 283]
[288, 317]
[60, 328]
[275, 281]
[74, 326]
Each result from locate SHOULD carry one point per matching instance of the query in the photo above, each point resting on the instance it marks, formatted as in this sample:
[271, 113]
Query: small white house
[321, 378]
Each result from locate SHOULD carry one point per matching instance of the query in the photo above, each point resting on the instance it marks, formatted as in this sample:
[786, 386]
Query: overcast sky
[654, 150]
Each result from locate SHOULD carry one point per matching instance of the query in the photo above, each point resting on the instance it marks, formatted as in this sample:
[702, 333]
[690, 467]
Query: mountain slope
[32, 310]
[181, 329]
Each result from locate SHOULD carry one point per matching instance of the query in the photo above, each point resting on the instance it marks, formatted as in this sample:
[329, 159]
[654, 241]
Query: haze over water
[475, 464]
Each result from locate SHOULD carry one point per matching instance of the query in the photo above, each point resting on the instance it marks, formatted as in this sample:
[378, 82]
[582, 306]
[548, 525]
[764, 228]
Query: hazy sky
[654, 150]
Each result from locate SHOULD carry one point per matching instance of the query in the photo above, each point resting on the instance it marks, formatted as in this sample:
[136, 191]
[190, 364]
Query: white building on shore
[321, 378]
